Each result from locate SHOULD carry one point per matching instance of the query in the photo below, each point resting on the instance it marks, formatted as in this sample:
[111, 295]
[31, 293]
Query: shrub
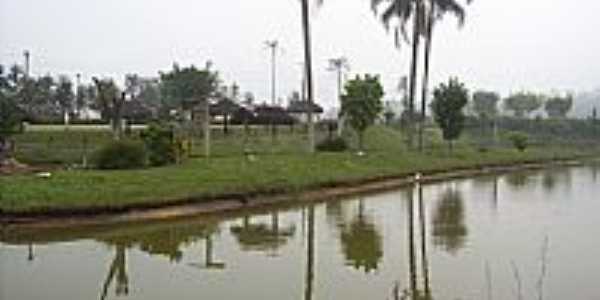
[335, 144]
[519, 140]
[120, 155]
[160, 144]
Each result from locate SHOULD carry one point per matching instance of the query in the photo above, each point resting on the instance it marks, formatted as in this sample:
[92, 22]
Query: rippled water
[531, 235]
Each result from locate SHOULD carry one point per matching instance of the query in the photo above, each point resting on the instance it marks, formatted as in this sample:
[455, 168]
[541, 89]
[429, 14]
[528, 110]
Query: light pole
[27, 56]
[339, 65]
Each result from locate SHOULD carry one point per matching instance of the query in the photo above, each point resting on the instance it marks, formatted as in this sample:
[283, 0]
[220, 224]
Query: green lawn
[291, 171]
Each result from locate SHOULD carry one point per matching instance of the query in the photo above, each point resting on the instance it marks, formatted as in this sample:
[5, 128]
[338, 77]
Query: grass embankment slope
[203, 180]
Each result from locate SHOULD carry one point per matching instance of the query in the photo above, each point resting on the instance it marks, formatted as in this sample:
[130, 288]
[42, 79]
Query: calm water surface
[530, 235]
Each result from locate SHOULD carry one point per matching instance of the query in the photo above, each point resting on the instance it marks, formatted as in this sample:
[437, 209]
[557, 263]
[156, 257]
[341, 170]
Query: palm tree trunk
[413, 75]
[428, 44]
[308, 70]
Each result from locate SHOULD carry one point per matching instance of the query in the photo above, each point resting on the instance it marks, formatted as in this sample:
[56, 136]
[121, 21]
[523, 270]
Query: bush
[336, 144]
[160, 144]
[121, 155]
[519, 140]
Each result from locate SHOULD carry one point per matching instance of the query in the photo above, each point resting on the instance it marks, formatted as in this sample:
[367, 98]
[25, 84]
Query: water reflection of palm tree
[424, 259]
[413, 292]
[30, 255]
[310, 254]
[495, 192]
[449, 229]
[549, 180]
[361, 242]
[261, 237]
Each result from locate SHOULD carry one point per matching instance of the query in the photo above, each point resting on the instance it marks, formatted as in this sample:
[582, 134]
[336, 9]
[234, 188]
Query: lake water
[529, 235]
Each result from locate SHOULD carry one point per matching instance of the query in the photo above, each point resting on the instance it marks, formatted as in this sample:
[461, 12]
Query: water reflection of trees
[449, 230]
[155, 240]
[260, 236]
[361, 242]
[551, 177]
[485, 182]
[517, 180]
[594, 167]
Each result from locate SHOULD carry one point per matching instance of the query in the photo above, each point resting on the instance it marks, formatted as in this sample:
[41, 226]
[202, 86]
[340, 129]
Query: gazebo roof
[303, 107]
[224, 106]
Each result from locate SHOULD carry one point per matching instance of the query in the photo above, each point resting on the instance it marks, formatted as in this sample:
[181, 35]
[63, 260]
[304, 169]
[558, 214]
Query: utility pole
[273, 46]
[27, 56]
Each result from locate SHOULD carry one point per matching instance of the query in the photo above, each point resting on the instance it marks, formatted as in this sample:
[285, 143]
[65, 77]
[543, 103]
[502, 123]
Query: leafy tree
[149, 92]
[523, 103]
[133, 85]
[10, 114]
[159, 140]
[558, 107]
[81, 100]
[185, 87]
[10, 118]
[41, 99]
[485, 104]
[248, 98]
[361, 103]
[111, 101]
[449, 100]
[63, 95]
[519, 140]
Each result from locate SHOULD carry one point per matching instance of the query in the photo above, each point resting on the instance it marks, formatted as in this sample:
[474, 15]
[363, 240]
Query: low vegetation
[121, 155]
[200, 178]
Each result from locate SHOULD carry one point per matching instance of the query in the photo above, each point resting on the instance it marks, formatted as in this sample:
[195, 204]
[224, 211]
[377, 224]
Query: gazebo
[299, 110]
[224, 108]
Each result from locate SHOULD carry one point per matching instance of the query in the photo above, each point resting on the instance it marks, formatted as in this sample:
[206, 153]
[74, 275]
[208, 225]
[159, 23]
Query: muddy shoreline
[233, 202]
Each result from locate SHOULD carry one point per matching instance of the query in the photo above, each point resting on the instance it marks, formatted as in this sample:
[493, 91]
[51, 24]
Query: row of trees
[47, 98]
[521, 105]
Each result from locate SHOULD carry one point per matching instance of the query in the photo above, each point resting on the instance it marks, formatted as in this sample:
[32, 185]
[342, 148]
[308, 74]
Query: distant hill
[584, 104]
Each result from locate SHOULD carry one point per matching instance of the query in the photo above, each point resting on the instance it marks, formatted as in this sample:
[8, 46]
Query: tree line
[486, 104]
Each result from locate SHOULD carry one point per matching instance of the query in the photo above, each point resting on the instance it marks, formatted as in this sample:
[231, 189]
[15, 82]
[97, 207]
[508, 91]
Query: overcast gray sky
[505, 45]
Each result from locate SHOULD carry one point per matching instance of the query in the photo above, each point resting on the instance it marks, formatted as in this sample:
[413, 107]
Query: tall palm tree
[417, 11]
[308, 72]
[435, 10]
[404, 11]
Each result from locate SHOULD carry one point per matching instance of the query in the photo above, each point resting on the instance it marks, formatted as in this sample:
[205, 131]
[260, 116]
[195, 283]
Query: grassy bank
[204, 179]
